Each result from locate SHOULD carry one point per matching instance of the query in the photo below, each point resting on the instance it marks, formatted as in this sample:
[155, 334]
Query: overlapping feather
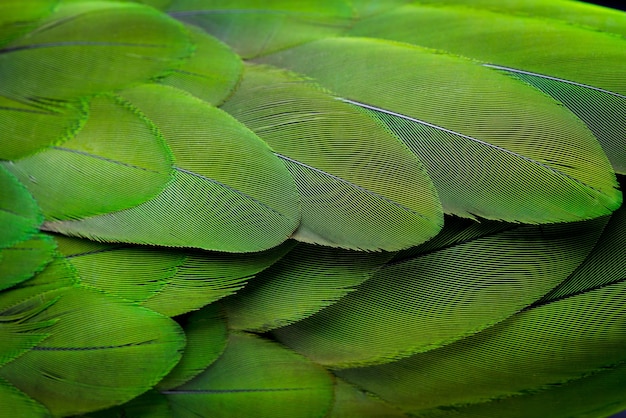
[232, 129]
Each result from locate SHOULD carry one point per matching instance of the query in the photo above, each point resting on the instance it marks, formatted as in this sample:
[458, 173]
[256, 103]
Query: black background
[614, 4]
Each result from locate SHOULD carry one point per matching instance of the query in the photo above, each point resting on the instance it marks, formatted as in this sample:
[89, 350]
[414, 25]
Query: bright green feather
[30, 127]
[493, 147]
[599, 395]
[211, 73]
[22, 260]
[118, 160]
[360, 187]
[207, 334]
[166, 281]
[84, 363]
[350, 402]
[306, 280]
[577, 13]
[72, 53]
[583, 69]
[428, 300]
[255, 377]
[19, 214]
[20, 404]
[18, 17]
[229, 192]
[252, 28]
[534, 350]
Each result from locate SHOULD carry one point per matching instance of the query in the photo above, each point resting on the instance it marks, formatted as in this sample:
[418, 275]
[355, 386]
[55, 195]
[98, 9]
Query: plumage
[353, 177]
[338, 209]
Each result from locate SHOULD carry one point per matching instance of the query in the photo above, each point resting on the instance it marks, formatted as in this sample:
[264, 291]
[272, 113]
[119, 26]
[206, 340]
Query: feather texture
[229, 207]
[359, 186]
[462, 125]
[338, 209]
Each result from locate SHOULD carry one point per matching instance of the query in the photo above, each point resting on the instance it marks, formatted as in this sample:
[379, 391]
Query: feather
[306, 280]
[20, 404]
[168, 282]
[21, 261]
[116, 161]
[151, 404]
[78, 36]
[20, 216]
[71, 371]
[206, 335]
[252, 30]
[600, 394]
[211, 73]
[575, 13]
[32, 127]
[550, 344]
[255, 377]
[351, 402]
[214, 156]
[429, 306]
[605, 265]
[451, 169]
[533, 174]
[583, 69]
[17, 18]
[359, 186]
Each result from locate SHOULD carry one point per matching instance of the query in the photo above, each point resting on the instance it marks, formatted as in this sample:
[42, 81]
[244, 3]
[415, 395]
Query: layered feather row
[312, 209]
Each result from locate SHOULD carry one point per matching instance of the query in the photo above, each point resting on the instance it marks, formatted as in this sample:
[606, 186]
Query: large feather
[574, 333]
[213, 71]
[252, 29]
[302, 283]
[168, 282]
[116, 161]
[583, 69]
[454, 114]
[72, 54]
[83, 364]
[229, 192]
[359, 186]
[255, 377]
[20, 216]
[430, 299]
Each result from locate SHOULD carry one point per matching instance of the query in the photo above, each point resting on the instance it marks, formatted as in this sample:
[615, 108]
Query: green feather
[350, 402]
[575, 13]
[206, 334]
[211, 73]
[428, 300]
[168, 282]
[360, 187]
[149, 405]
[534, 350]
[20, 404]
[605, 265]
[229, 192]
[83, 364]
[253, 29]
[255, 377]
[30, 127]
[306, 280]
[19, 214]
[583, 69]
[493, 147]
[18, 17]
[73, 52]
[598, 395]
[118, 160]
[21, 261]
